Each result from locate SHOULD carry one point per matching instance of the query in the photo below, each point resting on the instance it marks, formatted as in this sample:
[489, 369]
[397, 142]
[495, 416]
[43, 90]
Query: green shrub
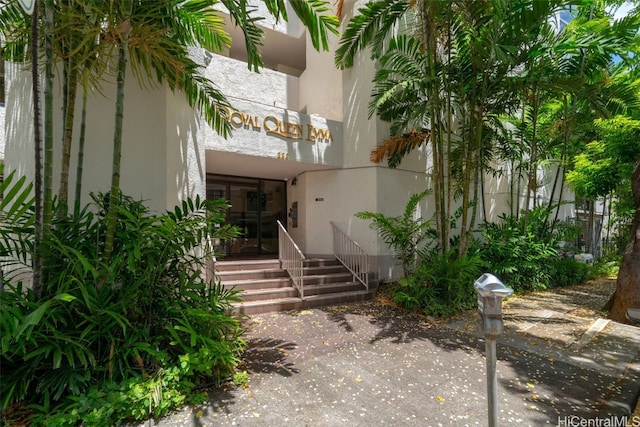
[517, 255]
[112, 403]
[136, 335]
[441, 286]
[567, 272]
[607, 266]
[409, 237]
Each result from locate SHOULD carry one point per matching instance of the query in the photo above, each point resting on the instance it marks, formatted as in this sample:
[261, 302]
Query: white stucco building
[299, 153]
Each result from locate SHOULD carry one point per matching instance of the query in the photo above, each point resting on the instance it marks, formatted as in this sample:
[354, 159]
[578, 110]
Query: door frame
[229, 181]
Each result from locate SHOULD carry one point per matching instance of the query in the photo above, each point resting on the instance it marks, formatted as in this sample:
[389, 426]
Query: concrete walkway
[370, 364]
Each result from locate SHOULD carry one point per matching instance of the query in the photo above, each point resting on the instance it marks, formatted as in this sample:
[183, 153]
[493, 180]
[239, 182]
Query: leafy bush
[442, 285]
[606, 266]
[127, 339]
[567, 272]
[406, 235]
[517, 255]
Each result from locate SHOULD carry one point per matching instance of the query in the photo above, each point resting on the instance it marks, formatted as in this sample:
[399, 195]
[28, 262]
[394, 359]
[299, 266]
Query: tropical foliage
[156, 314]
[409, 235]
[123, 319]
[603, 169]
[503, 89]
[449, 70]
[517, 251]
[524, 253]
[441, 286]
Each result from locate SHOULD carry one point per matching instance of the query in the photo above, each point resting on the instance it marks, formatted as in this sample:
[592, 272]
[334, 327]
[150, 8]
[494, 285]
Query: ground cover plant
[522, 251]
[527, 256]
[128, 340]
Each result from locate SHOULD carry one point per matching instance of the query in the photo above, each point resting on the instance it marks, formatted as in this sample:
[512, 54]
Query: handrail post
[351, 255]
[291, 258]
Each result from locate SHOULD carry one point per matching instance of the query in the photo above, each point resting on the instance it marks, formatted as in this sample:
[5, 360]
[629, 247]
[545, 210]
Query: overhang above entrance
[224, 163]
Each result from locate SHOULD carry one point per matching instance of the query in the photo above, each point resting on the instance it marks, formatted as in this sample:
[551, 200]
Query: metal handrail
[291, 258]
[351, 255]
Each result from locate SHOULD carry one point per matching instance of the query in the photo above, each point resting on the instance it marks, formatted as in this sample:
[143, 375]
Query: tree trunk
[112, 213]
[47, 173]
[627, 294]
[83, 125]
[67, 137]
[563, 157]
[37, 257]
[532, 184]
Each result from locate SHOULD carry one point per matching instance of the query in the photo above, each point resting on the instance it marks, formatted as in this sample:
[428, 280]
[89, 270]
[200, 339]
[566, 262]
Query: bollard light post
[491, 291]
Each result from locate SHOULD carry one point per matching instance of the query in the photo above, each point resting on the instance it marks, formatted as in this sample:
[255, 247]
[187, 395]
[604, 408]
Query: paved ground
[370, 364]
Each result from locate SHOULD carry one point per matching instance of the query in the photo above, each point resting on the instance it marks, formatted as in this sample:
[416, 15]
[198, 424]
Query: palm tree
[449, 66]
[37, 251]
[122, 33]
[410, 86]
[157, 35]
[470, 62]
[572, 86]
[157, 48]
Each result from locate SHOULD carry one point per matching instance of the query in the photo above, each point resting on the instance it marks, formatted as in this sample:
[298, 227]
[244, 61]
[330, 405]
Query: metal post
[492, 381]
[490, 293]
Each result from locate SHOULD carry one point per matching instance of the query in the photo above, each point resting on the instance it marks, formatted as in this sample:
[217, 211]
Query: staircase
[266, 287]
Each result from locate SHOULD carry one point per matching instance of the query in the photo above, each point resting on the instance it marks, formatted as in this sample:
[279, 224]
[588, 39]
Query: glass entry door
[256, 205]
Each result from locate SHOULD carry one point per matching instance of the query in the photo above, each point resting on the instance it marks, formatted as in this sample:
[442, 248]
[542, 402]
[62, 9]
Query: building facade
[299, 153]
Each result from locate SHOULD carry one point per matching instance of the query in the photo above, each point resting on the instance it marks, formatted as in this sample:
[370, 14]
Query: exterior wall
[395, 188]
[321, 84]
[238, 83]
[361, 134]
[2, 137]
[337, 195]
[292, 27]
[183, 149]
[154, 166]
[18, 122]
[500, 199]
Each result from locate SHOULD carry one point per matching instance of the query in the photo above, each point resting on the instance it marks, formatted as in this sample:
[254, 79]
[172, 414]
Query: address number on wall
[283, 156]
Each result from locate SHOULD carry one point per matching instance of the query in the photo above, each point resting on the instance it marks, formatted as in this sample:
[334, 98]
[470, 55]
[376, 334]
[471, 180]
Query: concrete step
[323, 269]
[253, 284]
[327, 278]
[255, 293]
[268, 294]
[330, 288]
[257, 274]
[248, 264]
[319, 262]
[285, 304]
[266, 287]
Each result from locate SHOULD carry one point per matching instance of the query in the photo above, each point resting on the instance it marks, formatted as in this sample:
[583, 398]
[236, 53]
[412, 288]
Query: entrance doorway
[256, 205]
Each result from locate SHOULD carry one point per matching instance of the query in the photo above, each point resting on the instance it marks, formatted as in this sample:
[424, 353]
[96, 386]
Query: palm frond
[205, 24]
[277, 9]
[15, 29]
[314, 15]
[242, 15]
[396, 148]
[369, 28]
[204, 96]
[411, 206]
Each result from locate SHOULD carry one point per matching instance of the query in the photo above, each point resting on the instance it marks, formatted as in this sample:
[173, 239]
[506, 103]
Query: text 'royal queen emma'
[274, 125]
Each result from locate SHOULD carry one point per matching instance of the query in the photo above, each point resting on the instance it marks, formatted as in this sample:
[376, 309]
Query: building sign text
[274, 125]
